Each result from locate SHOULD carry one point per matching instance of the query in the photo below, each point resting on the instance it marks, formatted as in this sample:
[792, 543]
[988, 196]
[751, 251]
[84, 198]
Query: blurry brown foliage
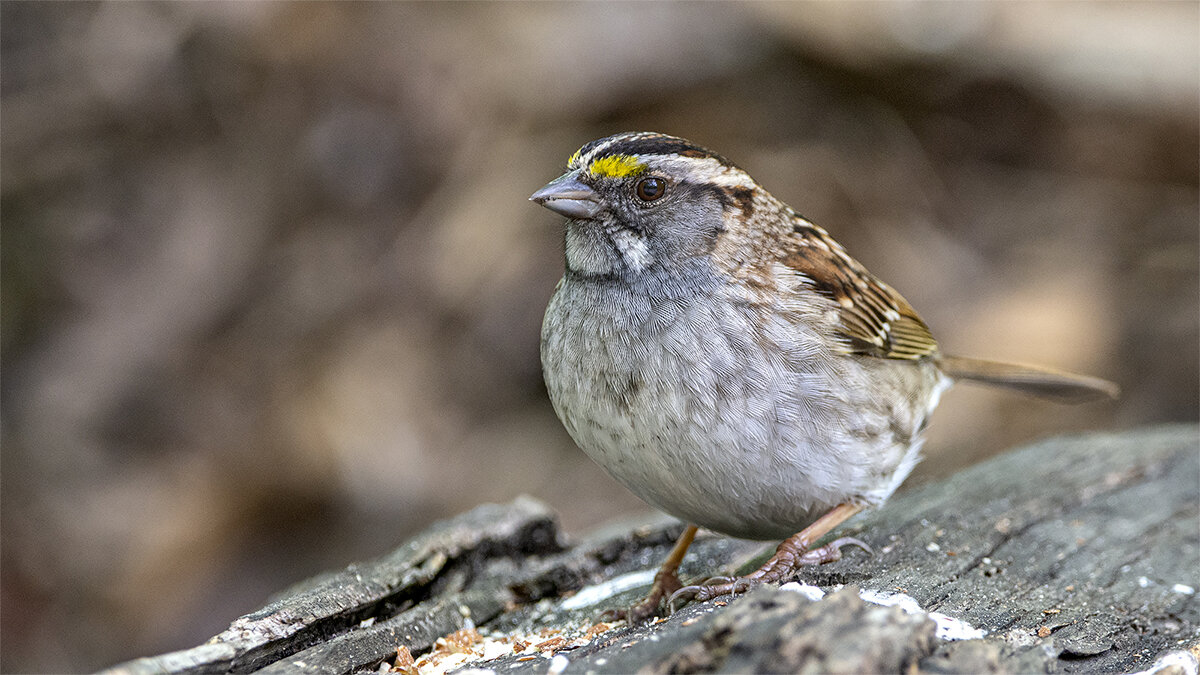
[272, 288]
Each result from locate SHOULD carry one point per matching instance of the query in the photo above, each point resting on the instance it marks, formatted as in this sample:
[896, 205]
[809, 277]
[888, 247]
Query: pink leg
[791, 555]
[666, 582]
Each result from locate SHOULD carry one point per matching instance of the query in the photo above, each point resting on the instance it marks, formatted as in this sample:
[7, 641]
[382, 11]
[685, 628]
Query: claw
[666, 582]
[686, 593]
[779, 567]
[829, 552]
[848, 541]
[707, 591]
[636, 613]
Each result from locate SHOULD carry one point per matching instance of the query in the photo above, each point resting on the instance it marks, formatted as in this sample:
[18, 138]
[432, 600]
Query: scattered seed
[550, 645]
[458, 641]
[597, 629]
[404, 658]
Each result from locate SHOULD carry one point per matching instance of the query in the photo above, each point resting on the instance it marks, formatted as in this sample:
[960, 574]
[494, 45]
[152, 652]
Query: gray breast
[715, 410]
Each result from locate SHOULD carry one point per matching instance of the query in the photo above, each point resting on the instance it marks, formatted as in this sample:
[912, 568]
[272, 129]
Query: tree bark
[1078, 553]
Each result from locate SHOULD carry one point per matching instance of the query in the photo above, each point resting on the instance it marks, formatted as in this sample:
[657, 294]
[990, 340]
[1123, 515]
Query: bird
[726, 360]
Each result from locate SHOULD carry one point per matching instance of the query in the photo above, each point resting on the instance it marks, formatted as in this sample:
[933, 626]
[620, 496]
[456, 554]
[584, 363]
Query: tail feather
[1036, 380]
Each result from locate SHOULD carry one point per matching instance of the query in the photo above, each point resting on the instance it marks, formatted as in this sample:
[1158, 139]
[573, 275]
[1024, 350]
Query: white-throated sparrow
[728, 362]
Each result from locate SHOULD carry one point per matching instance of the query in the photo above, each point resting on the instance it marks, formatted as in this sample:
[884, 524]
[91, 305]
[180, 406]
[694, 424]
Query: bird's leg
[792, 554]
[666, 582]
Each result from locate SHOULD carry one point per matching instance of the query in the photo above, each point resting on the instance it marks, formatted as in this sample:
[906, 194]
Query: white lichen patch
[594, 595]
[811, 592]
[558, 664]
[468, 646]
[1178, 661]
[948, 628]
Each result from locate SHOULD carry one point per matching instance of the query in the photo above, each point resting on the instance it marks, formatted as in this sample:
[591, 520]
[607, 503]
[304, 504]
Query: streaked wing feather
[875, 319]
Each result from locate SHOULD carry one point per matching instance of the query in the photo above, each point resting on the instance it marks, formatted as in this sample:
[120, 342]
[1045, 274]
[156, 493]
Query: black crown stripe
[651, 145]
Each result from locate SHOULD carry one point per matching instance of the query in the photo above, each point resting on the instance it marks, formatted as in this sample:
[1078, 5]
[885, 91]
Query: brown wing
[875, 319]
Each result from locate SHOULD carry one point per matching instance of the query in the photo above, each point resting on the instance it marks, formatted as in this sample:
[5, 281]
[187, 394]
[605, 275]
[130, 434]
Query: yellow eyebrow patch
[616, 166]
[575, 157]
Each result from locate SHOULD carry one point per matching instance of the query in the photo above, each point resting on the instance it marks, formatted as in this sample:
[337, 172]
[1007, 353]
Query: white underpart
[913, 456]
[948, 628]
[710, 395]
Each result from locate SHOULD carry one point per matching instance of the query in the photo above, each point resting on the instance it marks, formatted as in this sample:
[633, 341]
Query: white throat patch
[632, 248]
[586, 255]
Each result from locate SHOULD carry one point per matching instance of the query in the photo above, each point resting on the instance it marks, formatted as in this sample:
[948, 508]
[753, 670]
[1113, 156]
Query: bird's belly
[734, 430]
[726, 467]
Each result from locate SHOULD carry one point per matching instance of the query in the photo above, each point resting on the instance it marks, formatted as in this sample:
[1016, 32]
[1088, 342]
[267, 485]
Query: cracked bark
[1072, 554]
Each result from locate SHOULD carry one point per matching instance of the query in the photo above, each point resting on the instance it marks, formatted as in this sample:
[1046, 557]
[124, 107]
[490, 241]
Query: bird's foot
[666, 583]
[788, 559]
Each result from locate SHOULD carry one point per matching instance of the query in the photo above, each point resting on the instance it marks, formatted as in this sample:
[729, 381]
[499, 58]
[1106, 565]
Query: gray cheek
[589, 250]
[683, 230]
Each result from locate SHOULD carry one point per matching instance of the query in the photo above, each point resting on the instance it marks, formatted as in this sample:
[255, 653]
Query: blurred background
[272, 288]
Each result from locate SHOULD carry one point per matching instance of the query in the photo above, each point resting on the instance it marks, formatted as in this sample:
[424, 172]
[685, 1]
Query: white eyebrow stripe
[714, 171]
[720, 174]
[586, 160]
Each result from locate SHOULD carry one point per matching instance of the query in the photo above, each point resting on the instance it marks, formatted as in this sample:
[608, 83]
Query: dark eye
[650, 188]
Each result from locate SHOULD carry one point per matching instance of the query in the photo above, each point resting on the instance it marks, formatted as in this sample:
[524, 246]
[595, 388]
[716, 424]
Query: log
[1076, 553]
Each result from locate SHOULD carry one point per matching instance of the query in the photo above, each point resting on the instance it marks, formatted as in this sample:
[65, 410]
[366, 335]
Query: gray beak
[567, 196]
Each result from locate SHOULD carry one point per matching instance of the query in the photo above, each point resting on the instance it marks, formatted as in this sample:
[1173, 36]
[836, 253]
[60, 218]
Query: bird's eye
[651, 188]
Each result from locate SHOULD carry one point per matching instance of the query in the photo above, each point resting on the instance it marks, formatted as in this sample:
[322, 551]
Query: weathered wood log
[1078, 553]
